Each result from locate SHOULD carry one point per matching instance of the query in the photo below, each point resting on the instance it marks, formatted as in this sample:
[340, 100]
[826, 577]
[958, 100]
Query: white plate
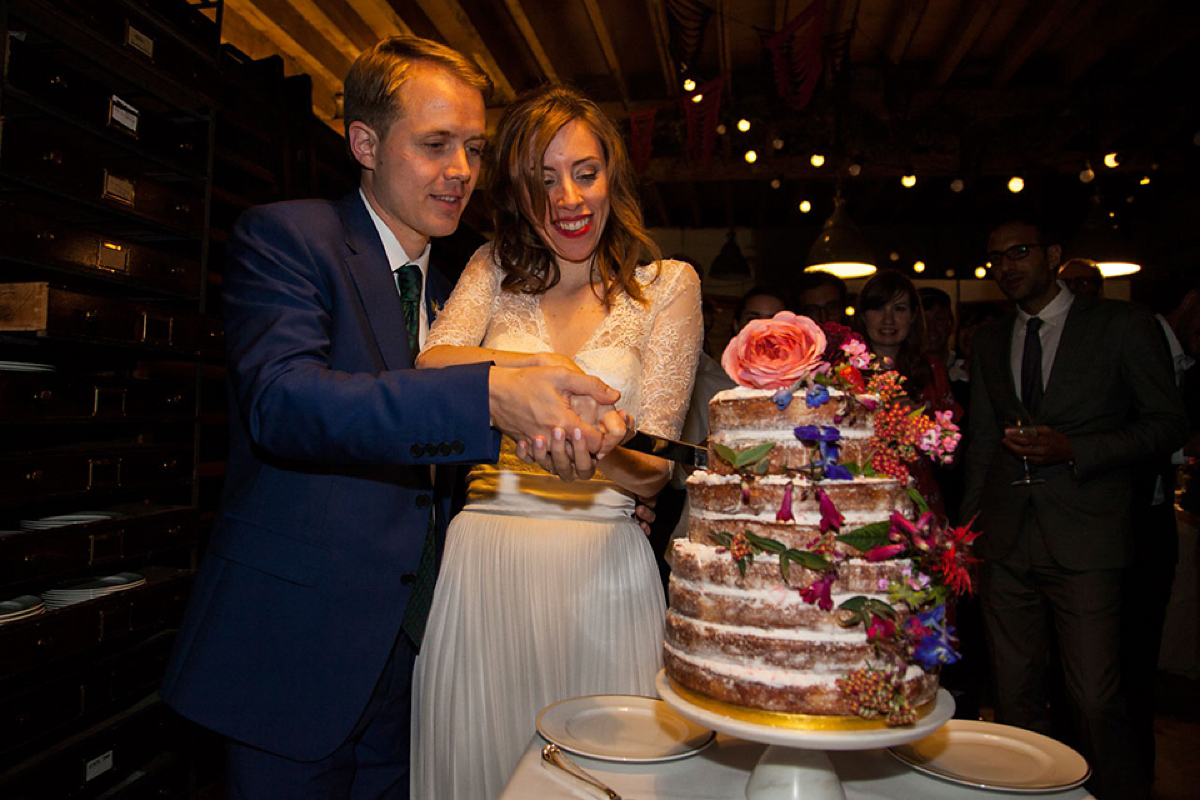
[621, 727]
[990, 756]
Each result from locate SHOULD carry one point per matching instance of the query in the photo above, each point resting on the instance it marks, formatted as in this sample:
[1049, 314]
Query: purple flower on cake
[831, 518]
[774, 353]
[782, 398]
[820, 592]
[817, 395]
[880, 628]
[784, 514]
[932, 637]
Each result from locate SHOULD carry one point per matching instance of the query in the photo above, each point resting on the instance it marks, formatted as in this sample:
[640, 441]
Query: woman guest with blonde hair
[549, 589]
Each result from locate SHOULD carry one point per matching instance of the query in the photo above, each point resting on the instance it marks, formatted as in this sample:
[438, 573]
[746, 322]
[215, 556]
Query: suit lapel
[368, 266]
[1073, 343]
[997, 362]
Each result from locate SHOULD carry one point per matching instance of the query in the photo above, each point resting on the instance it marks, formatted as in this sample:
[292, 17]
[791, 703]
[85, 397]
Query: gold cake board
[783, 719]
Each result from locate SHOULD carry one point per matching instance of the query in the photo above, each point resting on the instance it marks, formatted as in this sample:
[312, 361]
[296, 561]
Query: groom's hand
[532, 402]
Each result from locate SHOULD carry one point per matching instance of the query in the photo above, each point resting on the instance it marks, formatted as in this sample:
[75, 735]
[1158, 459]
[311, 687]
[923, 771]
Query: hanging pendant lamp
[840, 247]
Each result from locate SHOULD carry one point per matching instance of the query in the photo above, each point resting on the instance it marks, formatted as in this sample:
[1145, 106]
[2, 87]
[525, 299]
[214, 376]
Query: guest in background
[303, 624]
[891, 320]
[761, 302]
[549, 589]
[822, 297]
[1095, 377]
[1082, 277]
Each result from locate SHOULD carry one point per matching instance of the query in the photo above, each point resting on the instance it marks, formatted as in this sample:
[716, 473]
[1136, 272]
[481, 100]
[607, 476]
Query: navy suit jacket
[299, 598]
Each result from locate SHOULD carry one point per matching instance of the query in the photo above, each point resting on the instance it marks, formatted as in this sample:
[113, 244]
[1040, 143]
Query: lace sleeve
[464, 321]
[669, 365]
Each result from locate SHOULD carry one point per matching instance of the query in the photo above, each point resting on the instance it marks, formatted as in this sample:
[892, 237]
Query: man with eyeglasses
[822, 297]
[1082, 277]
[1094, 379]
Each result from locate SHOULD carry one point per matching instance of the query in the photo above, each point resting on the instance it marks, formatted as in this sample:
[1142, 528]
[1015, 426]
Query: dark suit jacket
[1112, 392]
[299, 599]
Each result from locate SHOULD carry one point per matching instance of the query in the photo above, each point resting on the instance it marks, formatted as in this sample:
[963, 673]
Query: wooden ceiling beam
[293, 36]
[381, 18]
[1115, 23]
[606, 45]
[1029, 36]
[529, 35]
[333, 32]
[350, 21]
[972, 20]
[658, 26]
[905, 28]
[453, 23]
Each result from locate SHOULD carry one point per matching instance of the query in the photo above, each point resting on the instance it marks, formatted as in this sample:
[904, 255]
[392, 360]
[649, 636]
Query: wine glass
[1024, 426]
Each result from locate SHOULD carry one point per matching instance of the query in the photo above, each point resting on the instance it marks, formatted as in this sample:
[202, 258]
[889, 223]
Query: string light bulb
[751, 156]
[817, 160]
[805, 206]
[1110, 161]
[775, 184]
[777, 144]
[1015, 184]
[957, 185]
[1086, 175]
[696, 98]
[721, 129]
[918, 267]
[981, 272]
[909, 180]
[689, 85]
[1145, 181]
[743, 125]
[854, 169]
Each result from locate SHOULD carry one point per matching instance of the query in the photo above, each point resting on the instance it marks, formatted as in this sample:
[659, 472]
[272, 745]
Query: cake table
[795, 766]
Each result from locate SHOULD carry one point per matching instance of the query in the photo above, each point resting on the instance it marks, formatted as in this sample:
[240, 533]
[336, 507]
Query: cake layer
[777, 607]
[832, 649]
[789, 691]
[789, 453]
[699, 563]
[801, 536]
[742, 409]
[723, 494]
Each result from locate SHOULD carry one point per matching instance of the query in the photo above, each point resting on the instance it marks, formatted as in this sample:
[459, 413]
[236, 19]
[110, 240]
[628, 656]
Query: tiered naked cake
[801, 587]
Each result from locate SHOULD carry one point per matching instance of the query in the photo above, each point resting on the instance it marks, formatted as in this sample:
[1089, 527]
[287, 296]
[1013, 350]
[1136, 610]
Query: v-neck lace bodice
[645, 351]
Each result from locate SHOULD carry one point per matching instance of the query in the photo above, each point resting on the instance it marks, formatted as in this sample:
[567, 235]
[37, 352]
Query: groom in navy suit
[299, 640]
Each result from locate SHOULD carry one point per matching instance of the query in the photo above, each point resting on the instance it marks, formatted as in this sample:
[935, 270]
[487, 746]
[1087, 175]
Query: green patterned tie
[408, 279]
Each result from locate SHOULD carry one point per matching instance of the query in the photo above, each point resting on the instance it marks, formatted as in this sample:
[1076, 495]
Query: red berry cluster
[740, 547]
[873, 693]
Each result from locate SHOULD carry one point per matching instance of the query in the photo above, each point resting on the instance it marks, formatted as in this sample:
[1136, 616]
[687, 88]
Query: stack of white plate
[25, 366]
[79, 518]
[23, 607]
[78, 591]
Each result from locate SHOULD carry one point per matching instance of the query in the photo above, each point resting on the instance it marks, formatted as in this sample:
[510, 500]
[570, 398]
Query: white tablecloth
[721, 771]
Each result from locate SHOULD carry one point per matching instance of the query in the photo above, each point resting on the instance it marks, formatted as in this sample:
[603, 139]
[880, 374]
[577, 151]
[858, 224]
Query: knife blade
[689, 455]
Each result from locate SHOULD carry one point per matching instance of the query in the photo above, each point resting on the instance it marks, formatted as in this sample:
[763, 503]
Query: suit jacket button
[444, 449]
[408, 579]
[417, 451]
[431, 449]
[423, 501]
[457, 447]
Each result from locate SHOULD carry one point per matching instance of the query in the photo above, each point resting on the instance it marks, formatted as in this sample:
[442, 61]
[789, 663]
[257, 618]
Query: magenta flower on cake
[774, 353]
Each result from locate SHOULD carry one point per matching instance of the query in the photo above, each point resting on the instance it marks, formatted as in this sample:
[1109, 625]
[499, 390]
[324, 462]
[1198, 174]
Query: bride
[549, 589]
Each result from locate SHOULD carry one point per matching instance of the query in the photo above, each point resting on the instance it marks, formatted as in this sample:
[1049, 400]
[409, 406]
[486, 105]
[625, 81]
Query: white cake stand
[795, 766]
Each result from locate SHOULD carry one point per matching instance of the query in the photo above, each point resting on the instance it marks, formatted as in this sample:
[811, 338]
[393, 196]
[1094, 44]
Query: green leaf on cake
[863, 539]
[722, 538]
[809, 560]
[750, 458]
[765, 544]
[916, 497]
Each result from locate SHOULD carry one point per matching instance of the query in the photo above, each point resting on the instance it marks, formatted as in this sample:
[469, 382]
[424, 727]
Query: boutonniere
[435, 308]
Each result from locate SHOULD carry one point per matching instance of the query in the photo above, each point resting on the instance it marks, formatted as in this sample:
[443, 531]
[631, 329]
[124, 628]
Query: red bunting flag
[702, 120]
[796, 55]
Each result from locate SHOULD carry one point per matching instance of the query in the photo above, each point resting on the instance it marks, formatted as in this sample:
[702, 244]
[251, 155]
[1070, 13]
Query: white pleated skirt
[547, 591]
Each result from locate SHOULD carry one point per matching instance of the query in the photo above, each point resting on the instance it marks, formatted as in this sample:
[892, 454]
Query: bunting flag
[641, 138]
[702, 120]
[686, 22]
[796, 55]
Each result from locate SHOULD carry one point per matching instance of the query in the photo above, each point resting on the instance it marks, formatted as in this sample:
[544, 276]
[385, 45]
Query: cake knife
[689, 455]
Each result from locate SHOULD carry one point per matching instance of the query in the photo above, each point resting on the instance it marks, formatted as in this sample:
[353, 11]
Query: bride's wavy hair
[520, 199]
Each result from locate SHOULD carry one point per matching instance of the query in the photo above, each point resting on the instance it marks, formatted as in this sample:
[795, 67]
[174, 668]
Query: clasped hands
[1041, 446]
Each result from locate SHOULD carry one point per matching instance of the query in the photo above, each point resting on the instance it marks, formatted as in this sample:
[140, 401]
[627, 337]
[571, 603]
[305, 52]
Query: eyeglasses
[1018, 252]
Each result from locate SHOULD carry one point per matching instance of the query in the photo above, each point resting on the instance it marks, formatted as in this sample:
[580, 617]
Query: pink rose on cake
[774, 353]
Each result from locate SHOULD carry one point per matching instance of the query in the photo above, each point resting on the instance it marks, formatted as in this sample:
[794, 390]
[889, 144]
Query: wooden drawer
[47, 156]
[45, 397]
[38, 641]
[92, 470]
[74, 549]
[42, 241]
[58, 314]
[41, 70]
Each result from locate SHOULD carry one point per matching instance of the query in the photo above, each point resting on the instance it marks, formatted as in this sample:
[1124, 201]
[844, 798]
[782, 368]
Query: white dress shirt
[1053, 317]
[397, 258]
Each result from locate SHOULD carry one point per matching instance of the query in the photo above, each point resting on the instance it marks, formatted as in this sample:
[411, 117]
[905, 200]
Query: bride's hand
[554, 360]
[616, 428]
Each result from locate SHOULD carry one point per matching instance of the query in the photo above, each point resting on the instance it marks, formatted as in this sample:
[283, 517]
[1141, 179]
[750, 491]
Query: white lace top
[646, 351]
